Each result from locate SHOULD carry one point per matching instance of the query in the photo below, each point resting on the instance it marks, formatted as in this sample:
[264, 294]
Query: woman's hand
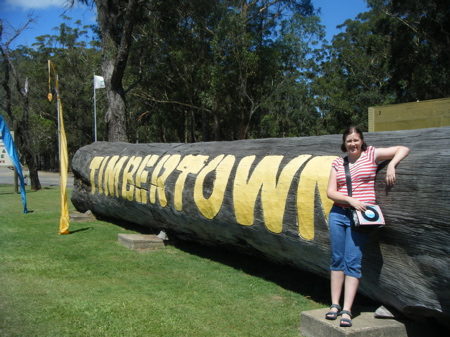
[390, 175]
[338, 197]
[356, 204]
[395, 154]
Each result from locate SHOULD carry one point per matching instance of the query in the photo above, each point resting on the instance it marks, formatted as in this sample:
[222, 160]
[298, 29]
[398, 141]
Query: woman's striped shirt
[363, 173]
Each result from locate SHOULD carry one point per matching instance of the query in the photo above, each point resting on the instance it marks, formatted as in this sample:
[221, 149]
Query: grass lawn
[87, 284]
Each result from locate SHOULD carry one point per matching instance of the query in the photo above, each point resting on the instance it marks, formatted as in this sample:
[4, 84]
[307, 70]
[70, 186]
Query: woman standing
[346, 244]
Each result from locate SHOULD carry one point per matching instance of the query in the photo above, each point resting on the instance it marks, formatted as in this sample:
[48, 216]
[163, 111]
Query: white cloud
[27, 5]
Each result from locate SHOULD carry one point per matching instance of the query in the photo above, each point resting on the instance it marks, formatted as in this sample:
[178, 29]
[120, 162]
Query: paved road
[46, 178]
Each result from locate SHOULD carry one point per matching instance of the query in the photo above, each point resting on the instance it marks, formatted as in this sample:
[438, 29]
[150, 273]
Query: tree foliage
[217, 66]
[76, 59]
[394, 53]
[16, 102]
[419, 41]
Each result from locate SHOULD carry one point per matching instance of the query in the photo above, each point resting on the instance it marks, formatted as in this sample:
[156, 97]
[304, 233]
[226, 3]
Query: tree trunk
[116, 117]
[116, 24]
[268, 197]
[23, 138]
[216, 125]
[205, 126]
[33, 172]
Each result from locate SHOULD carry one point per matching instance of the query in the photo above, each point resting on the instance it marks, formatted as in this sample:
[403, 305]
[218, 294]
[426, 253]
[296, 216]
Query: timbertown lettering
[143, 180]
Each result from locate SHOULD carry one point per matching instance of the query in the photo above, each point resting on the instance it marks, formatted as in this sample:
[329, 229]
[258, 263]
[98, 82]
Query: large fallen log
[269, 196]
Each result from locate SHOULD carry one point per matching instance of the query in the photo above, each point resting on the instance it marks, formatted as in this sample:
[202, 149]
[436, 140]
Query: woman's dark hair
[349, 131]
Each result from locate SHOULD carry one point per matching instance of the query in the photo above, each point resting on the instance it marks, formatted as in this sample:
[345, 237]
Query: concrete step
[314, 324]
[141, 242]
[81, 217]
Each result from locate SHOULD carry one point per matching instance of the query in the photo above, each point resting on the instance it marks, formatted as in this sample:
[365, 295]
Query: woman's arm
[340, 198]
[396, 154]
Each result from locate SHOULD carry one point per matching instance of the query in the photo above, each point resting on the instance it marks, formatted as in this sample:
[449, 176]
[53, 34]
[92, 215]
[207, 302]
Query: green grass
[87, 284]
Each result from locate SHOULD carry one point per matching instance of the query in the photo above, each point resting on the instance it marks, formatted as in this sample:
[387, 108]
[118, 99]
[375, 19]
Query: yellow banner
[63, 158]
[63, 164]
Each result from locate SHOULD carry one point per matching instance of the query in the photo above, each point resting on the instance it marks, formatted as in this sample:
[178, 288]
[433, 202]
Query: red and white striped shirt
[363, 173]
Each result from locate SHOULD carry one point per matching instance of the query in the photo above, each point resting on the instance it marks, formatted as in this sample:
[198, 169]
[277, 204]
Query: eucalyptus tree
[116, 20]
[419, 36]
[258, 48]
[175, 48]
[174, 51]
[16, 102]
[396, 52]
[289, 110]
[214, 67]
[75, 57]
[354, 74]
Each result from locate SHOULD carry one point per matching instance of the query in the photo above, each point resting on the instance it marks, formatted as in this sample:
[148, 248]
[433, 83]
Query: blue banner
[10, 147]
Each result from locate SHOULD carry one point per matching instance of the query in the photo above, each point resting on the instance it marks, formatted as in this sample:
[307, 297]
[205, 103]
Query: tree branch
[152, 99]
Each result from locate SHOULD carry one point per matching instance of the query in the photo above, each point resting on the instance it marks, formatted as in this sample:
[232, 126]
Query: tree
[394, 53]
[262, 65]
[419, 37]
[353, 75]
[21, 119]
[116, 20]
[76, 58]
[173, 52]
[291, 110]
[213, 67]
[76, 61]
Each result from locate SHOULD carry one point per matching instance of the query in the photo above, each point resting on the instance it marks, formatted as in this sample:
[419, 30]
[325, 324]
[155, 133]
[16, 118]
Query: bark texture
[268, 197]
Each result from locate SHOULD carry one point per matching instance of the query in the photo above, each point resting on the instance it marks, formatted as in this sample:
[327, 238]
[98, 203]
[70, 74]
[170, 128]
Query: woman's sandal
[332, 315]
[345, 322]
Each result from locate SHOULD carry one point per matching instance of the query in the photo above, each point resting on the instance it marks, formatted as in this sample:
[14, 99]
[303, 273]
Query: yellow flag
[63, 159]
[63, 162]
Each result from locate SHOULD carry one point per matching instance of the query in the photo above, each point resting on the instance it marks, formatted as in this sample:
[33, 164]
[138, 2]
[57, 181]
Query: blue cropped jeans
[346, 244]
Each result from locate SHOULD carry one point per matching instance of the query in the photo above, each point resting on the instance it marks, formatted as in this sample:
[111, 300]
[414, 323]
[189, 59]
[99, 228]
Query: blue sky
[335, 12]
[48, 15]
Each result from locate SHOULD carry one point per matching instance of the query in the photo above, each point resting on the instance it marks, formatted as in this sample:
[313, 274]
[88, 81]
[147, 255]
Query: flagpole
[95, 113]
[99, 82]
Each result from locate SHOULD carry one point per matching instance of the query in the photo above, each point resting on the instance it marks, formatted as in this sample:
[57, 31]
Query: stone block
[314, 324]
[81, 217]
[141, 242]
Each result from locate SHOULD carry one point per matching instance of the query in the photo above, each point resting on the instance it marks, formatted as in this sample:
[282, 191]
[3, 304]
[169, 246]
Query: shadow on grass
[299, 281]
[310, 285]
[126, 225]
[7, 193]
[28, 191]
[81, 230]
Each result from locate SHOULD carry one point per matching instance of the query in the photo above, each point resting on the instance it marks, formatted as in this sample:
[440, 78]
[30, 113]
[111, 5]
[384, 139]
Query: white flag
[25, 87]
[99, 82]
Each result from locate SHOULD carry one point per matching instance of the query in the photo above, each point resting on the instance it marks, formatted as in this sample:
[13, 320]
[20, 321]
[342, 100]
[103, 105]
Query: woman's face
[353, 143]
